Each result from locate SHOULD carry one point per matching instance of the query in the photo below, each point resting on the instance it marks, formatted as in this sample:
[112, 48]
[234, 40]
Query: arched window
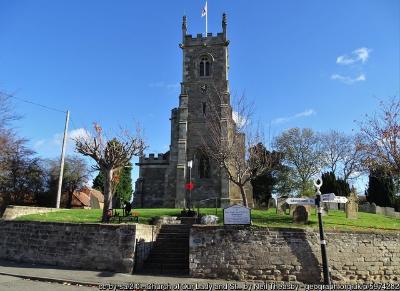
[204, 166]
[205, 66]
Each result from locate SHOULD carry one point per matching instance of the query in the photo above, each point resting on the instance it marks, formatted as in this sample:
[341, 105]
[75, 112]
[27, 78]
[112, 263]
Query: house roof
[90, 191]
[81, 197]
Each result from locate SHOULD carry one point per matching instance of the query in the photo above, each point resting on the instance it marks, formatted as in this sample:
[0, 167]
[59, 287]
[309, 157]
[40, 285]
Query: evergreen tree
[98, 182]
[332, 185]
[265, 183]
[123, 184]
[262, 188]
[381, 188]
[123, 190]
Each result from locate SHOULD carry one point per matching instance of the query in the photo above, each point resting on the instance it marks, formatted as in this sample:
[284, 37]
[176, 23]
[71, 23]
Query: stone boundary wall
[255, 253]
[83, 246]
[13, 211]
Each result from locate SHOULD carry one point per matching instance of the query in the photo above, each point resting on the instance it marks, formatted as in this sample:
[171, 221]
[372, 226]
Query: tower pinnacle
[184, 27]
[224, 23]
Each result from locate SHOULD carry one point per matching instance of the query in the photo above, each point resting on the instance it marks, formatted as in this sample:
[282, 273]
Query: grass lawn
[336, 220]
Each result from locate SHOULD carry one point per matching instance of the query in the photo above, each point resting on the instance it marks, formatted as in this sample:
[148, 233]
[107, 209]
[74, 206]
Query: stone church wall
[255, 253]
[150, 190]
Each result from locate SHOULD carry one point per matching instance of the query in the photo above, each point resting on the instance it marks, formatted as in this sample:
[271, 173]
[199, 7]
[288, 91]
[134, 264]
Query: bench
[127, 217]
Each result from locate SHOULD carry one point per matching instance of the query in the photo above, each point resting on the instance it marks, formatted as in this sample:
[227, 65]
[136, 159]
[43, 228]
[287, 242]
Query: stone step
[171, 243]
[173, 235]
[182, 260]
[175, 230]
[166, 268]
[165, 238]
[170, 254]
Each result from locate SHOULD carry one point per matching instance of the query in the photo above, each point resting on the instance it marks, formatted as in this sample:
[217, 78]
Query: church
[204, 91]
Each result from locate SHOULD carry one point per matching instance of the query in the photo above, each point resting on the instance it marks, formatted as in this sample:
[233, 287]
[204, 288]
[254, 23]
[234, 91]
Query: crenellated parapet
[204, 40]
[152, 159]
[208, 40]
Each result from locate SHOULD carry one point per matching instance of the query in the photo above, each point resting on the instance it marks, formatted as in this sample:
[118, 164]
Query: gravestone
[237, 214]
[325, 208]
[352, 206]
[271, 203]
[292, 207]
[300, 215]
[209, 219]
[281, 205]
[94, 202]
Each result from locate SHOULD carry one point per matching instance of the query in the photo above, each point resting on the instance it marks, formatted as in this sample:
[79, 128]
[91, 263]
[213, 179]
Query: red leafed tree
[110, 155]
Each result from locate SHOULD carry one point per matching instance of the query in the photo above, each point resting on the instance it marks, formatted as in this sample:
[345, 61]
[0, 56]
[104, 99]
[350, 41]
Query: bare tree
[302, 153]
[380, 137]
[22, 174]
[341, 154]
[76, 174]
[110, 155]
[7, 114]
[7, 136]
[232, 142]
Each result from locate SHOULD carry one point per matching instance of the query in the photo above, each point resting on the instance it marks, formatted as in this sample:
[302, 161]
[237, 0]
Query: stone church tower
[204, 93]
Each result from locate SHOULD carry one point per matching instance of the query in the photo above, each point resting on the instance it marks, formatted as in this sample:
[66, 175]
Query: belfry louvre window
[205, 67]
[204, 166]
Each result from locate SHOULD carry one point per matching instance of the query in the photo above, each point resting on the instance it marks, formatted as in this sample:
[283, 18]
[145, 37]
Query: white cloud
[358, 55]
[238, 119]
[348, 80]
[51, 146]
[362, 54]
[72, 135]
[78, 133]
[162, 84]
[305, 113]
[173, 86]
[38, 144]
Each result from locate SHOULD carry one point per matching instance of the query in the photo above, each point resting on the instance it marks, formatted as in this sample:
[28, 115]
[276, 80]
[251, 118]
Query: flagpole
[206, 18]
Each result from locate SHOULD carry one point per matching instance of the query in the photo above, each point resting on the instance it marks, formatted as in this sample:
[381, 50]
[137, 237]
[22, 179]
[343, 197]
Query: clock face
[203, 88]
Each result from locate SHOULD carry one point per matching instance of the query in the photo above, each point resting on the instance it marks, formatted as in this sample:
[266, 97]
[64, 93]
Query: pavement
[20, 284]
[32, 277]
[97, 279]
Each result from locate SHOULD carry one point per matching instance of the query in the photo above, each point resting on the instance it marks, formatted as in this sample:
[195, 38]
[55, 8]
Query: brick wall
[83, 246]
[292, 255]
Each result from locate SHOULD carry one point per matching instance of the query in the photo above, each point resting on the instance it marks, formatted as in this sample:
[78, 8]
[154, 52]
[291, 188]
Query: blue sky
[317, 64]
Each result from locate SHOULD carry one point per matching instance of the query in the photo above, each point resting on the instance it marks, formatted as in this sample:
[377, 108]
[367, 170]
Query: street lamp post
[190, 165]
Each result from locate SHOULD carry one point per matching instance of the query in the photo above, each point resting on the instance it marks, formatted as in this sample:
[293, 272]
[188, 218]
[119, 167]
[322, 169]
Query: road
[19, 284]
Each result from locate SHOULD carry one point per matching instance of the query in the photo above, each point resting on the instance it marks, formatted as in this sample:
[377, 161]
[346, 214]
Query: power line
[37, 104]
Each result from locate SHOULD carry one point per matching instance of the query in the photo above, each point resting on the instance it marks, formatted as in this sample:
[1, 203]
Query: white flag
[204, 12]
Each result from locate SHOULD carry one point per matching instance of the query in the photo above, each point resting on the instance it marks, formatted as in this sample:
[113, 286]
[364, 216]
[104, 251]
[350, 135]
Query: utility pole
[64, 146]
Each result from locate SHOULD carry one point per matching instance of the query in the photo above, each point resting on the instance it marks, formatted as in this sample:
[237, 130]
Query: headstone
[281, 205]
[271, 203]
[209, 219]
[94, 202]
[325, 208]
[307, 207]
[300, 215]
[352, 206]
[237, 214]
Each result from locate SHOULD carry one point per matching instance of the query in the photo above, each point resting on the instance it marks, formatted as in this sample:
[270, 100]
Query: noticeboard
[237, 215]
